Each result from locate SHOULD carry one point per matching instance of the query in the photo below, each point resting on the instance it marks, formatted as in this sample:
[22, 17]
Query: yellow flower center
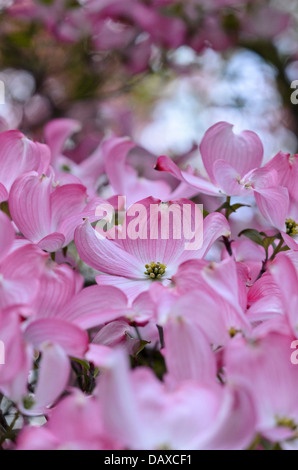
[233, 332]
[155, 270]
[287, 423]
[291, 227]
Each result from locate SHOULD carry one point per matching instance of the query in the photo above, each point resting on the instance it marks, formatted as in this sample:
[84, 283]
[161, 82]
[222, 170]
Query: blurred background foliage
[161, 79]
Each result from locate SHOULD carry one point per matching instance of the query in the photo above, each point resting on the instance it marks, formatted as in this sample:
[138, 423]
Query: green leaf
[253, 235]
[268, 241]
[284, 248]
[139, 347]
[47, 2]
[231, 23]
[235, 207]
[83, 363]
[21, 39]
[28, 402]
[4, 208]
[230, 208]
[225, 205]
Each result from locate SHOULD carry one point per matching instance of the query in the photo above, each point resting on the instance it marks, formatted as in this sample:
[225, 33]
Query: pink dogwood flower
[13, 359]
[46, 213]
[284, 273]
[61, 296]
[69, 427]
[193, 416]
[123, 177]
[20, 267]
[88, 171]
[224, 154]
[284, 217]
[264, 300]
[232, 162]
[248, 255]
[165, 30]
[125, 262]
[56, 339]
[216, 281]
[262, 363]
[17, 156]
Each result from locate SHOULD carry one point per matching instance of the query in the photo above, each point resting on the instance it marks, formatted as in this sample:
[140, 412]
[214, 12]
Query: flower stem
[277, 249]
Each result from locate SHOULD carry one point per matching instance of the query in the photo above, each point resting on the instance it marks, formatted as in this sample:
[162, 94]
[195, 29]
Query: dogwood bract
[121, 306]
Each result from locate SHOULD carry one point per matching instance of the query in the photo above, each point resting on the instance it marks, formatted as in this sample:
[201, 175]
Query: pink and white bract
[147, 301]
